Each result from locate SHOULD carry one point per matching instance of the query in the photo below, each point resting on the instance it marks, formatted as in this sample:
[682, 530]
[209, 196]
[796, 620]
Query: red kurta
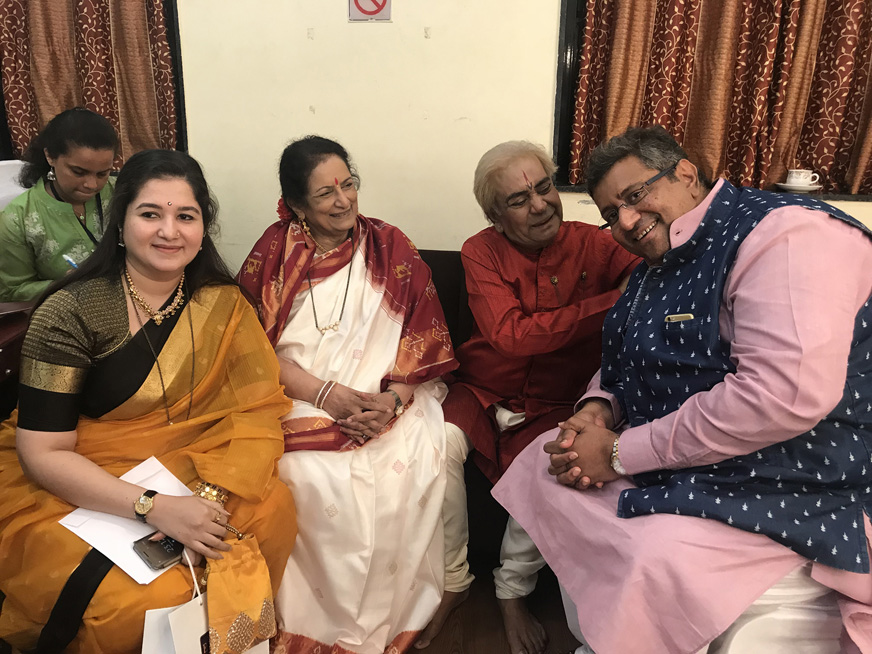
[537, 338]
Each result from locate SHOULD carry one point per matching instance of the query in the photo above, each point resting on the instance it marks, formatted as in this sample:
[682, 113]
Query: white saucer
[799, 188]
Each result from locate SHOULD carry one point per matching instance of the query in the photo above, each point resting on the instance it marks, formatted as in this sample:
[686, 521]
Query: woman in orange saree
[194, 384]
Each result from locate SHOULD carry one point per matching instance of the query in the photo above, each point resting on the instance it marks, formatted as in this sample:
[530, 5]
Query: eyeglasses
[632, 198]
[519, 200]
[328, 195]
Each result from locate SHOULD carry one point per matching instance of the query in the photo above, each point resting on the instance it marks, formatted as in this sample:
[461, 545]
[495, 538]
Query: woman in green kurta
[58, 221]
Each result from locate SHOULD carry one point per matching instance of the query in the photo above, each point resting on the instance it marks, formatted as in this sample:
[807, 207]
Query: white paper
[189, 623]
[114, 536]
[157, 637]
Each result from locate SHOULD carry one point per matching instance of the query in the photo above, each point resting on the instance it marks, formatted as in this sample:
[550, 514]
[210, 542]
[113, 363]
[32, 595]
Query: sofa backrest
[450, 282]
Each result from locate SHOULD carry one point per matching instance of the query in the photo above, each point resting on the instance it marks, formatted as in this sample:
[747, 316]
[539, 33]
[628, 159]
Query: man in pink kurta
[686, 580]
[539, 289]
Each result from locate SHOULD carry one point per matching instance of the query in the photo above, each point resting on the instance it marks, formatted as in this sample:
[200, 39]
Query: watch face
[143, 505]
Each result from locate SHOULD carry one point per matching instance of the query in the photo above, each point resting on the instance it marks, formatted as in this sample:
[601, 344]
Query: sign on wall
[364, 10]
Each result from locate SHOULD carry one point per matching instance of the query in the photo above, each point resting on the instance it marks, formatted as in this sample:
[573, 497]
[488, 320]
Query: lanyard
[84, 219]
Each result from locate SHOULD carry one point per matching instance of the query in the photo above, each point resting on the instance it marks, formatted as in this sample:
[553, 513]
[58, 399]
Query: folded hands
[581, 453]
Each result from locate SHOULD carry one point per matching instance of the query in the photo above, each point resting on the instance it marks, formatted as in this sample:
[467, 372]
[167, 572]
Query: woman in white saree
[352, 312]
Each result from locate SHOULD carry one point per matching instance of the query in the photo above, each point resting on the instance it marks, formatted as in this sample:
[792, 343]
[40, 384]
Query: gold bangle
[211, 492]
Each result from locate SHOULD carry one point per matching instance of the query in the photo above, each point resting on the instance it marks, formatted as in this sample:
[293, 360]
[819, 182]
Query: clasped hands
[581, 454]
[360, 415]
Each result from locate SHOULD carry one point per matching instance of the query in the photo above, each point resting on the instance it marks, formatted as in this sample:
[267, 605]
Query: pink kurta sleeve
[788, 311]
[595, 391]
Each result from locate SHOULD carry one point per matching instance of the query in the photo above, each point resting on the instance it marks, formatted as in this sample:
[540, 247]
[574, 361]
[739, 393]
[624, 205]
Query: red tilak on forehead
[526, 179]
[335, 181]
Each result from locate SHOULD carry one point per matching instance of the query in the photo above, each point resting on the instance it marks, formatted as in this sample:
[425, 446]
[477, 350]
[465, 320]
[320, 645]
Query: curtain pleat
[52, 69]
[111, 56]
[137, 104]
[17, 84]
[708, 113]
[670, 67]
[749, 88]
[594, 56]
[841, 88]
[94, 62]
[162, 73]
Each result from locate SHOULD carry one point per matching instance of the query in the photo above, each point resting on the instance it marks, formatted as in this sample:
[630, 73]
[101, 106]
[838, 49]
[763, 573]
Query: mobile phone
[158, 554]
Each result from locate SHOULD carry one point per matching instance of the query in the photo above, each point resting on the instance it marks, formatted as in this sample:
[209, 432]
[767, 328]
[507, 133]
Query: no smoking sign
[359, 10]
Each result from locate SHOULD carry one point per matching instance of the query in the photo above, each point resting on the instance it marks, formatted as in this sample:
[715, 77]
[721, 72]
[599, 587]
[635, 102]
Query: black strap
[100, 213]
[66, 616]
[83, 221]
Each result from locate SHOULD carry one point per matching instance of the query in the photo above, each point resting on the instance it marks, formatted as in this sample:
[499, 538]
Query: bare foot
[450, 601]
[523, 631]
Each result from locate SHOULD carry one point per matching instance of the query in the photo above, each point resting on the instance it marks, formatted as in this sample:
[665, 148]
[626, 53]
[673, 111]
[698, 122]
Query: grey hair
[494, 161]
[653, 146]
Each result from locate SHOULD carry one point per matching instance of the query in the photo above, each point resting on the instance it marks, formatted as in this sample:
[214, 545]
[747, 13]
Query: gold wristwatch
[144, 504]
[398, 403]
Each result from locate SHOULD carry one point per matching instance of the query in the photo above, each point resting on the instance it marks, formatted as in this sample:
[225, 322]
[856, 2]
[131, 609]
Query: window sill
[826, 197]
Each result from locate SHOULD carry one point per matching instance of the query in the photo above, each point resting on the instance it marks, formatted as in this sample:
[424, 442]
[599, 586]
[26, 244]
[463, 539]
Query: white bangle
[326, 393]
[322, 395]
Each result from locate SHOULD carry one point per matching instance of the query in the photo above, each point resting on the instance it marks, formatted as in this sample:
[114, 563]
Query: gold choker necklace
[157, 316]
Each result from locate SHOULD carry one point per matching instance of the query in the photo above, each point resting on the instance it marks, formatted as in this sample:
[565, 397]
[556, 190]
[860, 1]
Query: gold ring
[217, 519]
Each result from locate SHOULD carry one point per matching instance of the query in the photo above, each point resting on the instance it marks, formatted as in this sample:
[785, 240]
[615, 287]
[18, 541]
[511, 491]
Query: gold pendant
[332, 326]
[158, 319]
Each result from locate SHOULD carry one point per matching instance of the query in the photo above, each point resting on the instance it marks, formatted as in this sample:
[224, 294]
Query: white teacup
[802, 177]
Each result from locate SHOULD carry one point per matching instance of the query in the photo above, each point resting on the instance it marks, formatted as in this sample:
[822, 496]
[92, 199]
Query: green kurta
[36, 230]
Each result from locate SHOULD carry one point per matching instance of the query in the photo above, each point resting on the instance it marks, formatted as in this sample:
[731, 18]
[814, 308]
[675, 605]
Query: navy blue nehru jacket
[809, 492]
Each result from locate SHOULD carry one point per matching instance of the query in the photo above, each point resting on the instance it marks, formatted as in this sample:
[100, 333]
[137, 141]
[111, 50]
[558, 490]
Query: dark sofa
[487, 519]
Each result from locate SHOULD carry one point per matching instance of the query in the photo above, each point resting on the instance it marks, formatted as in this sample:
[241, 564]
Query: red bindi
[335, 181]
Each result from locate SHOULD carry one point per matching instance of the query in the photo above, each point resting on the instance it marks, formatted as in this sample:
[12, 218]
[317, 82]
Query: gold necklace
[318, 247]
[157, 316]
[163, 388]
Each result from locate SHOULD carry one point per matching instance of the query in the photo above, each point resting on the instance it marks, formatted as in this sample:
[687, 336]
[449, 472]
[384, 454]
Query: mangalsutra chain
[163, 387]
[333, 325]
[157, 316]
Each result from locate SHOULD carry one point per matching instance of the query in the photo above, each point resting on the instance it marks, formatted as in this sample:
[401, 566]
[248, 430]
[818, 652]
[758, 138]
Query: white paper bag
[190, 626]
[182, 629]
[157, 637]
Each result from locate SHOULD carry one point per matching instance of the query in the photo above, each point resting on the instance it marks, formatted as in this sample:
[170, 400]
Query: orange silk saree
[233, 438]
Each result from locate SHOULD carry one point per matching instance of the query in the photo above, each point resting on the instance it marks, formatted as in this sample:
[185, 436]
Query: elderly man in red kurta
[539, 290]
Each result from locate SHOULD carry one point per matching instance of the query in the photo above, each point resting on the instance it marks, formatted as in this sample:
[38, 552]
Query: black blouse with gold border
[79, 358]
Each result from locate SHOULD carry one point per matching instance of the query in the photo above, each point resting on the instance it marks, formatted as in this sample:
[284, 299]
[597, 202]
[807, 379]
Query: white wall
[415, 112]
[416, 102]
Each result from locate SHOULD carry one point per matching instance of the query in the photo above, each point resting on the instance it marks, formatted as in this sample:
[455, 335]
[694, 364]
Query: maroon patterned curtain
[749, 88]
[111, 56]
